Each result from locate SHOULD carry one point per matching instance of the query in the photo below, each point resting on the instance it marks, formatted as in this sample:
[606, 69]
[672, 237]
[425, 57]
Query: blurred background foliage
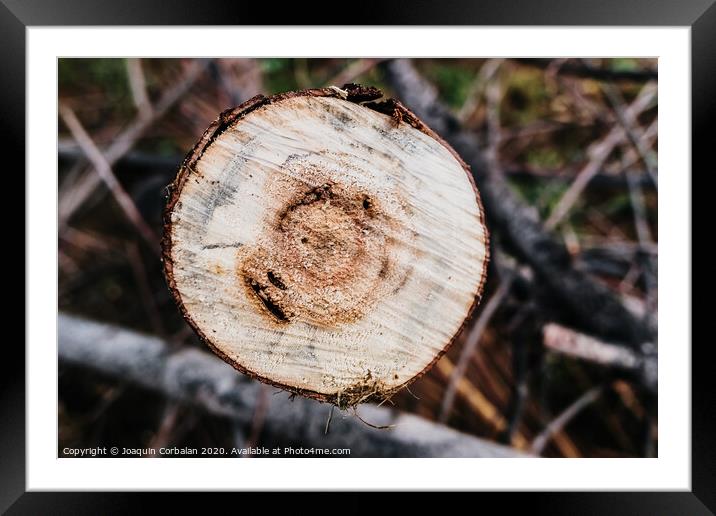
[548, 118]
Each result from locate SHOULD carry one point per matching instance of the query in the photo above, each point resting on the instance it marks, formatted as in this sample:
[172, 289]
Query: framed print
[420, 251]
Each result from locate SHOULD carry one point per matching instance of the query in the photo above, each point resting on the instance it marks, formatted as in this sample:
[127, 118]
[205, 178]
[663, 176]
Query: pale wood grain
[325, 247]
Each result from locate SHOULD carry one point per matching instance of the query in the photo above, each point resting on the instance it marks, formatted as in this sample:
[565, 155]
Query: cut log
[325, 243]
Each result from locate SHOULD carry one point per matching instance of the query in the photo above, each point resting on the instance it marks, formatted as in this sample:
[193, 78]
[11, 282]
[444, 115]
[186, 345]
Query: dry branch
[200, 378]
[574, 296]
[104, 172]
[138, 86]
[556, 425]
[578, 345]
[79, 192]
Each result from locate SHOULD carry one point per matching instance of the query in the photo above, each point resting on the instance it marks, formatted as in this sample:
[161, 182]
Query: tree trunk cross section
[325, 243]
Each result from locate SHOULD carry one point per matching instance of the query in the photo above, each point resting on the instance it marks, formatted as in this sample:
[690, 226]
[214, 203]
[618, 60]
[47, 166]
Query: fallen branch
[564, 418]
[202, 379]
[566, 341]
[575, 297]
[104, 172]
[138, 86]
[474, 94]
[88, 183]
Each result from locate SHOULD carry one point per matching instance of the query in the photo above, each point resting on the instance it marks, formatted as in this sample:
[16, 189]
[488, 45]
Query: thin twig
[558, 423]
[352, 71]
[483, 77]
[631, 156]
[470, 347]
[330, 418]
[70, 188]
[372, 425]
[634, 132]
[599, 152]
[604, 178]
[125, 141]
[133, 161]
[593, 110]
[644, 236]
[493, 97]
[636, 196]
[85, 187]
[138, 86]
[104, 171]
[629, 279]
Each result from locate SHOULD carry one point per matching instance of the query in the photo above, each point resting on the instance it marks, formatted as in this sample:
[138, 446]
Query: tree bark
[325, 243]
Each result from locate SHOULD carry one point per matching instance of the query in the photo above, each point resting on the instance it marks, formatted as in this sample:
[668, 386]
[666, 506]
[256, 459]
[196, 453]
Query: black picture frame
[700, 15]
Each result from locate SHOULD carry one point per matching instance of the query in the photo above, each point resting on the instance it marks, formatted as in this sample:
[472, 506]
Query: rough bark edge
[361, 95]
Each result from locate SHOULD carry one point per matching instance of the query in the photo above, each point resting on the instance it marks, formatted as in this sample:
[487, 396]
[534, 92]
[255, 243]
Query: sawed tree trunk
[325, 243]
